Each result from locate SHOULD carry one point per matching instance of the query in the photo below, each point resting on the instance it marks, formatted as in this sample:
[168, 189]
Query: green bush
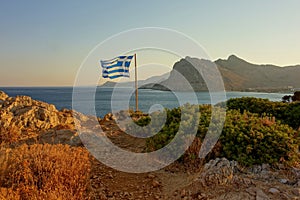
[250, 139]
[291, 115]
[171, 127]
[288, 113]
[246, 137]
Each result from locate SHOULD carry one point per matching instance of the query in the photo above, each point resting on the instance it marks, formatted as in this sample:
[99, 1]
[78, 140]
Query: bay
[61, 97]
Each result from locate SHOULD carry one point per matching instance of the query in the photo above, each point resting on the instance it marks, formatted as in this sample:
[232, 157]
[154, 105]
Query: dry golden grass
[44, 172]
[9, 134]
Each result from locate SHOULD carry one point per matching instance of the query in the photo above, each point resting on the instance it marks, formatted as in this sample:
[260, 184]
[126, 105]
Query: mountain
[260, 77]
[108, 84]
[237, 74]
[150, 81]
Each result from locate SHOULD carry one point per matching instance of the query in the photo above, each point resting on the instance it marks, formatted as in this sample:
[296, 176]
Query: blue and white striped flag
[116, 67]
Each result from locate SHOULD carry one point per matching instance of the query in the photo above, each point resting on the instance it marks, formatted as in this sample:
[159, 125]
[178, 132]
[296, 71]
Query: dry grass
[44, 172]
[9, 134]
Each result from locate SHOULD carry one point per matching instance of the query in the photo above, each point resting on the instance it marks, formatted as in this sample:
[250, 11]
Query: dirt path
[178, 182]
[110, 183]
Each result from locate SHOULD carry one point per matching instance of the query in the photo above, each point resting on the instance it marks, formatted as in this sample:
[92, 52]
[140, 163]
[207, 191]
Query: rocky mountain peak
[233, 57]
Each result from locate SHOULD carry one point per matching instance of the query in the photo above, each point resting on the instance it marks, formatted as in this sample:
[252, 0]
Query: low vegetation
[44, 172]
[9, 135]
[251, 139]
[256, 131]
[288, 113]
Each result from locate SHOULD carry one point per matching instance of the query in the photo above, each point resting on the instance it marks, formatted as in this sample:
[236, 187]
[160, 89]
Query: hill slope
[237, 74]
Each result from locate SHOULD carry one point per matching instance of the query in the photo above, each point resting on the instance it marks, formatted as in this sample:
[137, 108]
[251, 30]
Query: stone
[265, 167]
[283, 181]
[155, 183]
[3, 96]
[183, 193]
[251, 191]
[217, 172]
[151, 176]
[296, 173]
[274, 191]
[109, 117]
[296, 191]
[260, 195]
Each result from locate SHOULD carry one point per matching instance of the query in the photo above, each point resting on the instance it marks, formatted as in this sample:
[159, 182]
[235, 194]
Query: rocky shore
[24, 120]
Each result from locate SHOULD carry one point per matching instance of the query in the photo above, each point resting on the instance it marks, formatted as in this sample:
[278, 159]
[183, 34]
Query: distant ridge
[109, 84]
[255, 77]
[237, 74]
[152, 80]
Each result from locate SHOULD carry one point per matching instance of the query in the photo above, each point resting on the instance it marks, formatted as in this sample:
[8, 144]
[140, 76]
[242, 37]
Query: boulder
[218, 172]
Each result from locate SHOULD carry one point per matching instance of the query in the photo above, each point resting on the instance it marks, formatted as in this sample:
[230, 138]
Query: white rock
[283, 180]
[274, 191]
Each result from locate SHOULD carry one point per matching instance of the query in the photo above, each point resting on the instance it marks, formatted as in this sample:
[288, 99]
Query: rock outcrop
[218, 172]
[24, 113]
[30, 118]
[3, 96]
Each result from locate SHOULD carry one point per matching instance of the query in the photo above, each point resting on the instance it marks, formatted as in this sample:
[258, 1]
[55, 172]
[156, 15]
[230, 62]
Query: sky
[43, 43]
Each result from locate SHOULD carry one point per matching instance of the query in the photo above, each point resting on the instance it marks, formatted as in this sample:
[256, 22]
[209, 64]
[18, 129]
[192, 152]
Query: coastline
[61, 97]
[53, 132]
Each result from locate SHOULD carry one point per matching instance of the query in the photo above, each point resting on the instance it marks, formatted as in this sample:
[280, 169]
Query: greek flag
[116, 67]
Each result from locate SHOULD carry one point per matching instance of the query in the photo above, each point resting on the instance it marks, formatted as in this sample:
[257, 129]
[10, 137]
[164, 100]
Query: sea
[61, 97]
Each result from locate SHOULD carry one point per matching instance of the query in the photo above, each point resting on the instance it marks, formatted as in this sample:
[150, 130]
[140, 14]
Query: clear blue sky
[43, 43]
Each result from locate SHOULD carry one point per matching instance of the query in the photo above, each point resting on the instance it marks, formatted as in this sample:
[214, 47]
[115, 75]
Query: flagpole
[136, 86]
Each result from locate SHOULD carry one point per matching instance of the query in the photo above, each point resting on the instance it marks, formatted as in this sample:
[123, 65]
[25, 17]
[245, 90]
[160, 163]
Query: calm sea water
[61, 97]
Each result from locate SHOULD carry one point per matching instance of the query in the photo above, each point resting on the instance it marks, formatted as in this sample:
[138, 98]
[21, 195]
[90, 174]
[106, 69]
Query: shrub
[246, 137]
[288, 113]
[44, 172]
[291, 115]
[171, 127]
[250, 139]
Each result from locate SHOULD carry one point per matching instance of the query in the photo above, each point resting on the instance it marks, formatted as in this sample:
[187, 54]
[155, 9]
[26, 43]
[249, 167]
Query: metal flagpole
[136, 86]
